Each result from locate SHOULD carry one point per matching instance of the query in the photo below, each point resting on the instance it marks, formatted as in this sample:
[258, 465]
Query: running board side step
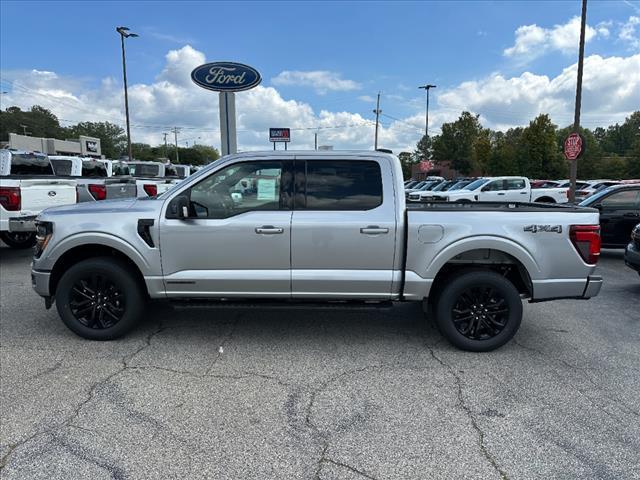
[250, 304]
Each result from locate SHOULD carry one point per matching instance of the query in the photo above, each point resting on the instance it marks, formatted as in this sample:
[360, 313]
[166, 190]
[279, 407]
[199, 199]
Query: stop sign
[573, 146]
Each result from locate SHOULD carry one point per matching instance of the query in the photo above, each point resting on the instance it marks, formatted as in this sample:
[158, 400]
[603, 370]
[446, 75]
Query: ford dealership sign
[226, 76]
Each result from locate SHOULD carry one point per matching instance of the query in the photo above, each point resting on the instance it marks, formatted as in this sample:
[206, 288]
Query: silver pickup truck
[315, 227]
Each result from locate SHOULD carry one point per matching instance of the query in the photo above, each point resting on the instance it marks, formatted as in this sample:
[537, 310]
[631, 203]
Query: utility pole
[377, 111]
[315, 141]
[175, 132]
[426, 126]
[124, 33]
[576, 120]
[165, 145]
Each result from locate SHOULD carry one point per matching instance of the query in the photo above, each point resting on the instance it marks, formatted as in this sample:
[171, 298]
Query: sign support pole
[576, 122]
[228, 138]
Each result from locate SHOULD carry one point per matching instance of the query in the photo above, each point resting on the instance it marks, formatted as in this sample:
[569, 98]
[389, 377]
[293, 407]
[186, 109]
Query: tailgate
[40, 194]
[121, 189]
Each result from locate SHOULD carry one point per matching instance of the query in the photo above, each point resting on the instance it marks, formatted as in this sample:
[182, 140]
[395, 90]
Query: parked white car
[28, 186]
[497, 189]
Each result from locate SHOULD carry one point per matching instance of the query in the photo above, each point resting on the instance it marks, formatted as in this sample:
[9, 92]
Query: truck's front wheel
[479, 310]
[99, 298]
[19, 240]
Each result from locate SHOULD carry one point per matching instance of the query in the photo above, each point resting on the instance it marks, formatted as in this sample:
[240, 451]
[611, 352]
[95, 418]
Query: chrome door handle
[269, 230]
[373, 230]
[523, 193]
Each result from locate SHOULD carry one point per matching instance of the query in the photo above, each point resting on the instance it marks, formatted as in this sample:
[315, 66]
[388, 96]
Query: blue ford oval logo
[226, 76]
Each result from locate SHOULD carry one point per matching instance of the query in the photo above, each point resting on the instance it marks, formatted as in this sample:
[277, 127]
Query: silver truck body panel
[339, 255]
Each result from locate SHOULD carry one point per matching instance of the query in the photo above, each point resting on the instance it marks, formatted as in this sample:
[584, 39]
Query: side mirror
[178, 207]
[597, 205]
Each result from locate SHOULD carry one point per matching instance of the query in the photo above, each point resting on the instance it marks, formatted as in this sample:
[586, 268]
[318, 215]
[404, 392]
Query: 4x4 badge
[543, 228]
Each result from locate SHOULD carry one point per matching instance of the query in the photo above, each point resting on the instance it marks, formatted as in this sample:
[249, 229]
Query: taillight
[151, 189]
[99, 192]
[10, 198]
[586, 240]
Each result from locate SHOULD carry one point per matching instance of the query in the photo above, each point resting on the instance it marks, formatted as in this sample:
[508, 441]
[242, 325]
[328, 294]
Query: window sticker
[267, 189]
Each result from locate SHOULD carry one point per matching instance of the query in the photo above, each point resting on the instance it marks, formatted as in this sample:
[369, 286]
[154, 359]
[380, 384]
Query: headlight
[44, 231]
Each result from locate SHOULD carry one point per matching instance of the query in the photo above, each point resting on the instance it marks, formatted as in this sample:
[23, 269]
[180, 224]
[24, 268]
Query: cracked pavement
[329, 394]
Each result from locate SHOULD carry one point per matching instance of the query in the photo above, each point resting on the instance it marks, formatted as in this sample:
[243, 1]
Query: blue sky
[339, 56]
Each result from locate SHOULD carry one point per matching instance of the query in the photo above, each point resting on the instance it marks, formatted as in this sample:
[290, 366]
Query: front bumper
[22, 224]
[40, 282]
[632, 256]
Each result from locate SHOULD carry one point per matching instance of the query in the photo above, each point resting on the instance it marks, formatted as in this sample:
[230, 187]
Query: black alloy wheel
[19, 240]
[478, 310]
[97, 302]
[100, 298]
[480, 313]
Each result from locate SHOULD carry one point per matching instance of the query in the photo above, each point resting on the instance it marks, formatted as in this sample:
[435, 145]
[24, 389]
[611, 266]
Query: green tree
[507, 149]
[112, 138]
[615, 167]
[38, 122]
[456, 143]
[482, 150]
[143, 151]
[209, 154]
[423, 149]
[633, 160]
[541, 151]
[406, 162]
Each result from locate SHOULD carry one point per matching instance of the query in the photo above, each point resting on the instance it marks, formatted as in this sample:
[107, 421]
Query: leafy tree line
[534, 151]
[40, 122]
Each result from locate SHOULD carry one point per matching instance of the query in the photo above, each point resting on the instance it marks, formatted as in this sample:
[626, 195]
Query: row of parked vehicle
[32, 181]
[618, 201]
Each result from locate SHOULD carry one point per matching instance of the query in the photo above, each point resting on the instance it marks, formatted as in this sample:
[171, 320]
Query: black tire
[19, 240]
[546, 200]
[100, 298]
[478, 310]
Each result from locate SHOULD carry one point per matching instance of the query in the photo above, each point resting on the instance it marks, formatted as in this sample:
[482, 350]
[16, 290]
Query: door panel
[237, 239]
[343, 231]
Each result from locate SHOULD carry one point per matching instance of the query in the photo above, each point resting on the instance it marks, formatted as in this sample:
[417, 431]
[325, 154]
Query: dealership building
[83, 146]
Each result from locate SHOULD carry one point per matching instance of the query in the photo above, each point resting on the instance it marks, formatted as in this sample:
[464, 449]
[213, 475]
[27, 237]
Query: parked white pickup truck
[152, 177]
[27, 186]
[495, 189]
[312, 227]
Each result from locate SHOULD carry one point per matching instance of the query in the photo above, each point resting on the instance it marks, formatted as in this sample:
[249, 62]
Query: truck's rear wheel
[99, 299]
[19, 239]
[479, 310]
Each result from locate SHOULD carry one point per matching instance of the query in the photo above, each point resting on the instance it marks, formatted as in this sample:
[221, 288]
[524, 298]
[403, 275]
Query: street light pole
[124, 33]
[377, 111]
[573, 174]
[426, 127]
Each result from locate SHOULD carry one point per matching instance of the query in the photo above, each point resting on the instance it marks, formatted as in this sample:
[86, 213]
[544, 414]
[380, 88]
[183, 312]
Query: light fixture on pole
[125, 33]
[426, 127]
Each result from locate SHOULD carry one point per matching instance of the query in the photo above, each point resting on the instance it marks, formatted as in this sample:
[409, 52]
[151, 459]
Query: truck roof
[311, 153]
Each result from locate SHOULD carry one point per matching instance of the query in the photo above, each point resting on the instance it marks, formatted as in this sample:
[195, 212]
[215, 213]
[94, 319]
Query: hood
[93, 208]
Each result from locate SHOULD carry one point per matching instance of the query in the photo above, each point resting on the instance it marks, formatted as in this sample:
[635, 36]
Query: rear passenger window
[62, 167]
[343, 185]
[29, 164]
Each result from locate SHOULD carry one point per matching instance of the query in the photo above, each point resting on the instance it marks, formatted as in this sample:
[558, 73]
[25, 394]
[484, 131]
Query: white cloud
[628, 33]
[321, 81]
[533, 41]
[366, 98]
[611, 91]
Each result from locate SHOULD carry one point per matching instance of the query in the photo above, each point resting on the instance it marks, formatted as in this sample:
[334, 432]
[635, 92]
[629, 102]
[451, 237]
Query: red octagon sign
[573, 145]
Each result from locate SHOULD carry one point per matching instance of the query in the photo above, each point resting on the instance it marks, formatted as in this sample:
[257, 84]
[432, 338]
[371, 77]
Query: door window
[240, 188]
[341, 185]
[619, 200]
[494, 186]
[515, 184]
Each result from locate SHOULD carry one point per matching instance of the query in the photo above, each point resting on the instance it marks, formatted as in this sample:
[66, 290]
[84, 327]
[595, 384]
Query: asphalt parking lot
[320, 394]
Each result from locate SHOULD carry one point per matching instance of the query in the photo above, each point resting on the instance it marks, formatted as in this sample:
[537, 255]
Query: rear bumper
[632, 257]
[594, 284]
[40, 282]
[22, 224]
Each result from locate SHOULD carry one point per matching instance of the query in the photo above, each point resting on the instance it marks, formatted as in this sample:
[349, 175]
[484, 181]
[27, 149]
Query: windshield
[442, 186]
[144, 170]
[201, 172]
[593, 199]
[476, 184]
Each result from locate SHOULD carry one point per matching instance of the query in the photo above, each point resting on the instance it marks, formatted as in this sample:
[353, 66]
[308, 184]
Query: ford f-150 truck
[312, 227]
[92, 178]
[496, 189]
[27, 186]
[153, 178]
